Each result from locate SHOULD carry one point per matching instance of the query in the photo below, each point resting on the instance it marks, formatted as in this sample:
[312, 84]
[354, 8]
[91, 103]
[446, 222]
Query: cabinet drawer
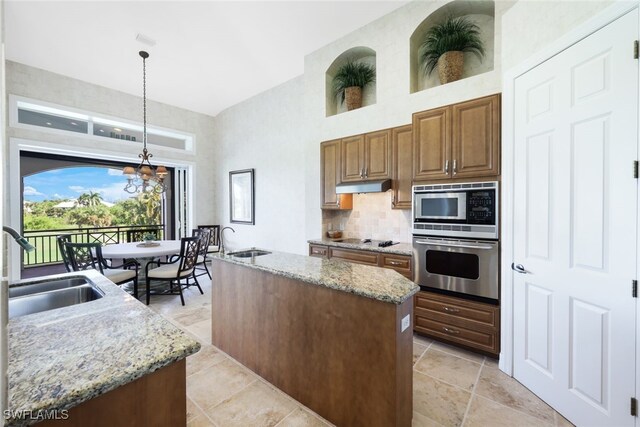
[360, 257]
[476, 339]
[399, 263]
[444, 307]
[318, 251]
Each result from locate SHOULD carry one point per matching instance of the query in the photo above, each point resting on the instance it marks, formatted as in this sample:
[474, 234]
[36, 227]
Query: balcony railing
[47, 251]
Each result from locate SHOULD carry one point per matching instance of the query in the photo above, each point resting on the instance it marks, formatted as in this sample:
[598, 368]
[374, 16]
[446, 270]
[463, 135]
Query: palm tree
[90, 199]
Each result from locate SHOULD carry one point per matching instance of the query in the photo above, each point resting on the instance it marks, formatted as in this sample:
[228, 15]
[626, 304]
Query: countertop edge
[302, 278]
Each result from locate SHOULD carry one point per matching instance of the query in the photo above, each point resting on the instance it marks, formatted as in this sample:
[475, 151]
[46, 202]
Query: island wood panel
[158, 399]
[340, 354]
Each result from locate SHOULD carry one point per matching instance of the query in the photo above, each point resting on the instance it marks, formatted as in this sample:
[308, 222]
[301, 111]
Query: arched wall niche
[334, 104]
[482, 13]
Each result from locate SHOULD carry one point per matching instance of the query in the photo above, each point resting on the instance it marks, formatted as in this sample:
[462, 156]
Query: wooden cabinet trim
[402, 166]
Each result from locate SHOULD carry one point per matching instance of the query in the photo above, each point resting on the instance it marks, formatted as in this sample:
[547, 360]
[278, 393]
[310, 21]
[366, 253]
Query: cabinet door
[330, 176]
[402, 166]
[476, 138]
[432, 144]
[377, 155]
[352, 149]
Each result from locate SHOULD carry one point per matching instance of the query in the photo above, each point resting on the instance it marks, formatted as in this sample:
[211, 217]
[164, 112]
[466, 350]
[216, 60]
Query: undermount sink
[249, 253]
[48, 295]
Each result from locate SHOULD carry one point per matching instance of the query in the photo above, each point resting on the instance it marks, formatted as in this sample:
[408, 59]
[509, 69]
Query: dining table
[142, 252]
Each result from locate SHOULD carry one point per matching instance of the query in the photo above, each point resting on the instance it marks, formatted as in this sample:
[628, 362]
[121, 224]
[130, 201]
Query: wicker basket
[450, 66]
[353, 97]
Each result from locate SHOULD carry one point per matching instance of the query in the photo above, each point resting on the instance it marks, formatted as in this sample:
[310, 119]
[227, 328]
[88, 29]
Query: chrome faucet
[222, 238]
[24, 243]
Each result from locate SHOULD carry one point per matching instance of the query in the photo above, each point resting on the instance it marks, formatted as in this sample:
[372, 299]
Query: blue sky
[69, 183]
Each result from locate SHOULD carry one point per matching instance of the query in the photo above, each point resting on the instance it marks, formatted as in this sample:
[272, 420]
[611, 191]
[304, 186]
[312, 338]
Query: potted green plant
[444, 46]
[349, 81]
[149, 237]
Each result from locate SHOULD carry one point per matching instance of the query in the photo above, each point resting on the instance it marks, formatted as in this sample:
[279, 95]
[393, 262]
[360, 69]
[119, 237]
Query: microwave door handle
[454, 245]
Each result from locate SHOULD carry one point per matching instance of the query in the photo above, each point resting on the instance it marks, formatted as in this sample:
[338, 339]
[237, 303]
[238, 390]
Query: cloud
[30, 191]
[110, 193]
[114, 172]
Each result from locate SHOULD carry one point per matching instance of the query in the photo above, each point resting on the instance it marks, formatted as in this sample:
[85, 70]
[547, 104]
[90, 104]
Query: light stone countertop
[61, 358]
[399, 249]
[378, 283]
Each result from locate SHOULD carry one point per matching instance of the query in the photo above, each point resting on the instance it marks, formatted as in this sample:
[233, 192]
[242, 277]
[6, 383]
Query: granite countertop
[61, 358]
[399, 249]
[368, 281]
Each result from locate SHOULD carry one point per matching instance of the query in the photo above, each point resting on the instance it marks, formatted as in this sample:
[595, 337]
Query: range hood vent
[364, 187]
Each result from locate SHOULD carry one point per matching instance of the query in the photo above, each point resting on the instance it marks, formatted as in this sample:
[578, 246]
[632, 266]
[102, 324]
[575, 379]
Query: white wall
[43, 85]
[265, 133]
[520, 30]
[529, 26]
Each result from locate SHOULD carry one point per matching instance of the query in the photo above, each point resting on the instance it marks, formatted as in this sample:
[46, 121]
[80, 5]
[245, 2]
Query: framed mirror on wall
[242, 196]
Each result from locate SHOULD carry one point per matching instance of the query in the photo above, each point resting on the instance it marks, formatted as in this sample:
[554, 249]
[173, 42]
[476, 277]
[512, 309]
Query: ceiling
[209, 55]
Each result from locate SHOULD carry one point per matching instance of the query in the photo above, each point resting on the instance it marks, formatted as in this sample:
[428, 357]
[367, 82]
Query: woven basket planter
[450, 66]
[353, 97]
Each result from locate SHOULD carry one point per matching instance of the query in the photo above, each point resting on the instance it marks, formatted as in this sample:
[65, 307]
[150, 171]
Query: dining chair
[204, 236]
[62, 239]
[178, 268]
[214, 238]
[87, 256]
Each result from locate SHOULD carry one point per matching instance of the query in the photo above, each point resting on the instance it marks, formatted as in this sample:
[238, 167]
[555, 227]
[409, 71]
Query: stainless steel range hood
[364, 187]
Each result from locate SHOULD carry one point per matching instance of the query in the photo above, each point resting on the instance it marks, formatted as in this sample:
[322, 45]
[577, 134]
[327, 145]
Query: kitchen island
[336, 336]
[106, 362]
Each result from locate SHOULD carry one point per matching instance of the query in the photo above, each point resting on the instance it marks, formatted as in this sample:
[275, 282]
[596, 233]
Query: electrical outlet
[404, 324]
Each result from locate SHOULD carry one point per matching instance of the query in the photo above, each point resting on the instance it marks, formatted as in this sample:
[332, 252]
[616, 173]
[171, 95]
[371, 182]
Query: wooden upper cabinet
[366, 157]
[458, 142]
[330, 176]
[352, 149]
[432, 144]
[476, 137]
[402, 166]
[377, 159]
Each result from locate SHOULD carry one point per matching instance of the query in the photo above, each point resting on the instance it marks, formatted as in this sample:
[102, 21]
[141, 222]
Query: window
[30, 113]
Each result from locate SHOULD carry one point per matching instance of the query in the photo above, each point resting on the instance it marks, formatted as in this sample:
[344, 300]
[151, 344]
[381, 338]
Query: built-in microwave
[456, 210]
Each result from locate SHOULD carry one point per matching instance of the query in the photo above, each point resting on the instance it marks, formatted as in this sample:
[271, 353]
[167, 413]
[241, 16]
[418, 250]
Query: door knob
[518, 268]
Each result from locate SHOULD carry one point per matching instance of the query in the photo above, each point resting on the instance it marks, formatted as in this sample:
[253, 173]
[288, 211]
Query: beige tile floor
[451, 387]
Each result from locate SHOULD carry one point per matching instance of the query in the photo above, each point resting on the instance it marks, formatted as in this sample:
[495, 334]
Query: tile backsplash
[370, 218]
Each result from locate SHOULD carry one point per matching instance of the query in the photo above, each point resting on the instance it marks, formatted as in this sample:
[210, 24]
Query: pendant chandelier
[145, 178]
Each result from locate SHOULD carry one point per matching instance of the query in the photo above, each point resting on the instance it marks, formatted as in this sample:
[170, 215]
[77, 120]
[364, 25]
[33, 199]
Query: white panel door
[576, 118]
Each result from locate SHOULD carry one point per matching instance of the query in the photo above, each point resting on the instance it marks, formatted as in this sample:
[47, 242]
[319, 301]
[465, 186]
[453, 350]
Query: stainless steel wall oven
[455, 233]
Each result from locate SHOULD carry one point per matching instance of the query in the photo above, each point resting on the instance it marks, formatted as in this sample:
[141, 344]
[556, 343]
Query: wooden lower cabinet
[403, 264]
[359, 257]
[471, 324]
[157, 399]
[318, 251]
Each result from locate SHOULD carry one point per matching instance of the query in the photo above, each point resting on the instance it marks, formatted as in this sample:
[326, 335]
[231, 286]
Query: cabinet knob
[455, 168]
[446, 167]
[450, 331]
[450, 310]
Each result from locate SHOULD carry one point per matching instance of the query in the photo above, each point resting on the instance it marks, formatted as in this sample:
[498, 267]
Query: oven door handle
[455, 245]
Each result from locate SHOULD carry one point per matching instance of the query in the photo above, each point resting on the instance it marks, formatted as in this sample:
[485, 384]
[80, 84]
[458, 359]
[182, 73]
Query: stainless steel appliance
[456, 210]
[464, 266]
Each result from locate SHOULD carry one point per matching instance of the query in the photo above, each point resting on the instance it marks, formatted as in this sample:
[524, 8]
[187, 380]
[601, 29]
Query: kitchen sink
[249, 253]
[52, 285]
[44, 296]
